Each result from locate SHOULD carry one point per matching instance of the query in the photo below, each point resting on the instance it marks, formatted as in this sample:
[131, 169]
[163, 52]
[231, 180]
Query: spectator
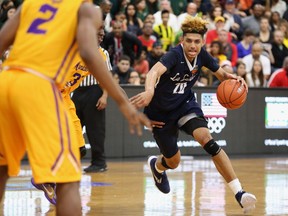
[256, 54]
[285, 15]
[119, 17]
[213, 34]
[123, 69]
[280, 77]
[156, 53]
[147, 38]
[265, 35]
[142, 65]
[283, 26]
[244, 6]
[152, 6]
[142, 10]
[255, 78]
[106, 6]
[133, 23]
[134, 78]
[244, 47]
[172, 21]
[253, 21]
[201, 8]
[150, 18]
[165, 31]
[178, 7]
[229, 48]
[216, 51]
[118, 42]
[240, 69]
[233, 20]
[279, 6]
[279, 50]
[274, 20]
[216, 11]
[191, 10]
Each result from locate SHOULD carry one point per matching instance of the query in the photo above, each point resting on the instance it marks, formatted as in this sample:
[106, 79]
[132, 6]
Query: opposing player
[46, 37]
[79, 72]
[170, 103]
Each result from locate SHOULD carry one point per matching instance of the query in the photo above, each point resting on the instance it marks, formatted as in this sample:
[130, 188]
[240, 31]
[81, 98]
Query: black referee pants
[85, 99]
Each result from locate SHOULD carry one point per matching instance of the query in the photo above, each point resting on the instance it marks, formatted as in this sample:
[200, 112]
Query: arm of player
[8, 31]
[89, 20]
[144, 98]
[222, 75]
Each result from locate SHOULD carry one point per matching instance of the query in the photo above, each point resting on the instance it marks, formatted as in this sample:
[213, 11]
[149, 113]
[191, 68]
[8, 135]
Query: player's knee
[212, 148]
[170, 163]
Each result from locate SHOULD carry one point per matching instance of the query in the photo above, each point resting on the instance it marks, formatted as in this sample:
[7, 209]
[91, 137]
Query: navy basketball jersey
[173, 89]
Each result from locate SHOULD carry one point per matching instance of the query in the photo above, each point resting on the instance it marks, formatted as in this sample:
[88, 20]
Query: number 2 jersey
[55, 23]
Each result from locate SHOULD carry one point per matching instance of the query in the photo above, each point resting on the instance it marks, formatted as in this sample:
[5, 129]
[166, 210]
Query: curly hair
[194, 25]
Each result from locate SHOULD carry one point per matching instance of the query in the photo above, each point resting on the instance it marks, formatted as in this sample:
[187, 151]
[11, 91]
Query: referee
[90, 102]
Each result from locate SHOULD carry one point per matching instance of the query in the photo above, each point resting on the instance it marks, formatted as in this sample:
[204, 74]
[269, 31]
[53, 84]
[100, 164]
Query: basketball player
[32, 113]
[80, 72]
[170, 103]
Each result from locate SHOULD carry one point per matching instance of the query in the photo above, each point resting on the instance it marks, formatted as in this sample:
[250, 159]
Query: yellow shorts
[33, 118]
[76, 121]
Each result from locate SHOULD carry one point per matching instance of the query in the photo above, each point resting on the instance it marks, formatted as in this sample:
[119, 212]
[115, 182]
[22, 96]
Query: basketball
[231, 94]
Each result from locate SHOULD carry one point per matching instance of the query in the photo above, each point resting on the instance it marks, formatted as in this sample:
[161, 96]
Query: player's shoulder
[178, 50]
[89, 9]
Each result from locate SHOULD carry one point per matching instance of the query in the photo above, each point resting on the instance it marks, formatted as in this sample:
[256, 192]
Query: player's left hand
[101, 103]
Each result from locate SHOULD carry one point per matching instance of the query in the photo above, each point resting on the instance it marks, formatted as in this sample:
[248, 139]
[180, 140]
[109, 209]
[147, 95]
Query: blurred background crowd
[247, 37]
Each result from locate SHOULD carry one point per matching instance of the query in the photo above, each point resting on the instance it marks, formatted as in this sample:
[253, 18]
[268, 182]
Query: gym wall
[259, 127]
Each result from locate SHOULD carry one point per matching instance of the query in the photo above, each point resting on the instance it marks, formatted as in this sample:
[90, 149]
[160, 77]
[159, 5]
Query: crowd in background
[248, 38]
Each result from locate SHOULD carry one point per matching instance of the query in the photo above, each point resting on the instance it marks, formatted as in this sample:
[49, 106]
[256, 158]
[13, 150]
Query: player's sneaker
[161, 180]
[49, 190]
[246, 201]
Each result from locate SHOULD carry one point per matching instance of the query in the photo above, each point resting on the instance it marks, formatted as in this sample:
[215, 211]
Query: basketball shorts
[35, 120]
[76, 121]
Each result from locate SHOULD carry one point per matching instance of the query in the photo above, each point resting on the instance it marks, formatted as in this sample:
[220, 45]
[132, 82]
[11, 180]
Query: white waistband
[29, 70]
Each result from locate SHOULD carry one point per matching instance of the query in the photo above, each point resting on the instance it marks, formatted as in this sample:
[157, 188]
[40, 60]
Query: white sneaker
[246, 201]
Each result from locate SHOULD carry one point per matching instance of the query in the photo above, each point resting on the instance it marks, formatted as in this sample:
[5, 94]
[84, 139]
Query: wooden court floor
[127, 189]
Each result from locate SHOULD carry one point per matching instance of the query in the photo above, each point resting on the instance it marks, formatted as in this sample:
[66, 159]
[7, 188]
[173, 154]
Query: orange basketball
[231, 94]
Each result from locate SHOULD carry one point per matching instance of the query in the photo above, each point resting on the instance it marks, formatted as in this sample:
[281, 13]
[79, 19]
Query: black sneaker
[94, 169]
[160, 179]
[246, 201]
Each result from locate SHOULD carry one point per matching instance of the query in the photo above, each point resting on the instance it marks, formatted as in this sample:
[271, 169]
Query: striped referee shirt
[90, 79]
